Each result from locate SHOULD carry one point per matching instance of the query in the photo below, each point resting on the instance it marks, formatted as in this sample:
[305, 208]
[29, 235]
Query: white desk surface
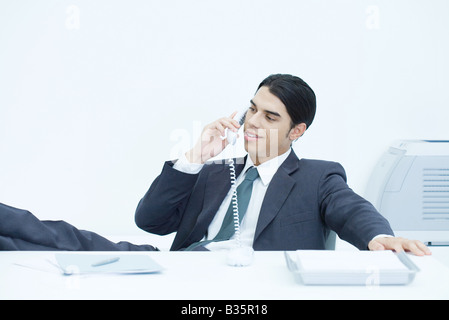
[204, 275]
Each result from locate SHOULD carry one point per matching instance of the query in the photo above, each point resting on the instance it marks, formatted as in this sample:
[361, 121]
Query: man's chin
[255, 154]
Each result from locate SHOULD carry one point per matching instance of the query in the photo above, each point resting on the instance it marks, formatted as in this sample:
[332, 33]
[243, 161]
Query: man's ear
[297, 131]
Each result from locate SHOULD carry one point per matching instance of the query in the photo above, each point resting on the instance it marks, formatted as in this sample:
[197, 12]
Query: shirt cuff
[185, 166]
[382, 236]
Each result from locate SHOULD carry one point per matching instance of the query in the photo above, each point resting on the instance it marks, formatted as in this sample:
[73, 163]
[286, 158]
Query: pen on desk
[106, 261]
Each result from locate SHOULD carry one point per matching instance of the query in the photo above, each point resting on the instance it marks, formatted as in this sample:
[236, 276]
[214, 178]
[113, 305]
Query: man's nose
[254, 121]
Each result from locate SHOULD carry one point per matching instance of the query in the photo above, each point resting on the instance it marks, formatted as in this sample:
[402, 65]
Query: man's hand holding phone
[210, 142]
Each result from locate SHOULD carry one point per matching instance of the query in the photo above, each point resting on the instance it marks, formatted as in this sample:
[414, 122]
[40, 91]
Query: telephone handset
[239, 256]
[231, 136]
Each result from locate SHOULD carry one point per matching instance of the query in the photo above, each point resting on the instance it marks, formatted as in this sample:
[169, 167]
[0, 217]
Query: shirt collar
[267, 169]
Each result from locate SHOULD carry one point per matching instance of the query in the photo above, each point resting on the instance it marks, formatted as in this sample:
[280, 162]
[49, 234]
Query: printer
[409, 186]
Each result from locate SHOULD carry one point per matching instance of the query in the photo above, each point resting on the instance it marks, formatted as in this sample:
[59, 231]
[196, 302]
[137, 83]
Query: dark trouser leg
[21, 230]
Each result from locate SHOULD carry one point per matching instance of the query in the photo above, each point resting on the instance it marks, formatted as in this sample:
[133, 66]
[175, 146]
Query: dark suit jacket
[304, 200]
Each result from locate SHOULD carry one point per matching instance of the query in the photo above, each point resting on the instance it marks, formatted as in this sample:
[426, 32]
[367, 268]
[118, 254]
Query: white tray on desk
[368, 268]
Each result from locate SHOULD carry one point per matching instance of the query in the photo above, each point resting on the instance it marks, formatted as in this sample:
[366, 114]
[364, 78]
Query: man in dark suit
[285, 203]
[294, 203]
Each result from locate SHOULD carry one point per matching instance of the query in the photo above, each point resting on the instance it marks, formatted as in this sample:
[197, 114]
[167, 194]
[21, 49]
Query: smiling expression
[268, 129]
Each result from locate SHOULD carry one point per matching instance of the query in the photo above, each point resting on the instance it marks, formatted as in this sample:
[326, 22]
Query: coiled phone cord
[239, 256]
[235, 207]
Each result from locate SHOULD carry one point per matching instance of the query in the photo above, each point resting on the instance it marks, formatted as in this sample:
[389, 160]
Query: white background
[96, 95]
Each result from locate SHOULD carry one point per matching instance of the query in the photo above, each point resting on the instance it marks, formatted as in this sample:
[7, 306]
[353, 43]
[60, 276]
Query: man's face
[267, 129]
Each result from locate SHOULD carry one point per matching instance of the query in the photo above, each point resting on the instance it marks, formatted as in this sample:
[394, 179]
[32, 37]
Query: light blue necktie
[227, 229]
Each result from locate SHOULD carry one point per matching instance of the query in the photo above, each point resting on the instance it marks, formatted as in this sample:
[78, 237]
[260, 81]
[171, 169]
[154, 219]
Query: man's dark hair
[295, 94]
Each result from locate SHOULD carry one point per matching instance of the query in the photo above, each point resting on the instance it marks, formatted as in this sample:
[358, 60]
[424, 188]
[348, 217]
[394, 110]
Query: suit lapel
[277, 192]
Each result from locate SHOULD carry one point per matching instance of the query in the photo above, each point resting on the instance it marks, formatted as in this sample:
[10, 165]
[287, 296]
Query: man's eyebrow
[267, 111]
[273, 113]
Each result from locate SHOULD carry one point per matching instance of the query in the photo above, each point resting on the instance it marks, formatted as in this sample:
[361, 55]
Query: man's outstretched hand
[399, 244]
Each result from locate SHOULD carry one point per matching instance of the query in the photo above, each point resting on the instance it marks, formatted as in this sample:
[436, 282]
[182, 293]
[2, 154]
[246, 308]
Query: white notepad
[75, 263]
[322, 267]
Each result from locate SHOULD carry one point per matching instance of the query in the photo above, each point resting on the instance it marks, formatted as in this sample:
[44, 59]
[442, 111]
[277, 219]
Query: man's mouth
[250, 136]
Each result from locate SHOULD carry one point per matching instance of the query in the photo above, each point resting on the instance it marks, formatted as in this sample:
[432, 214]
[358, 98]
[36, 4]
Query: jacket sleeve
[160, 210]
[352, 217]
